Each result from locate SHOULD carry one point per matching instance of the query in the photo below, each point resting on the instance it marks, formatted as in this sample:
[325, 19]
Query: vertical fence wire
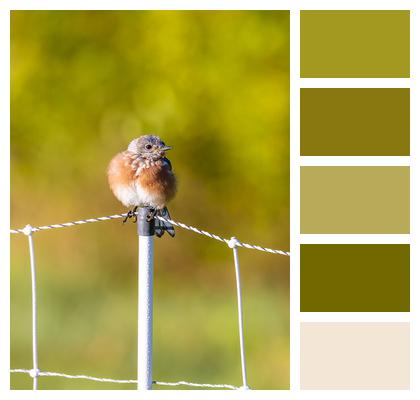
[34, 373]
[233, 244]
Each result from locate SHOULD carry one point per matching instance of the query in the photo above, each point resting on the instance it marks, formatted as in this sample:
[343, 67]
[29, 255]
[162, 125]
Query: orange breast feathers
[120, 171]
[121, 179]
[158, 182]
[141, 184]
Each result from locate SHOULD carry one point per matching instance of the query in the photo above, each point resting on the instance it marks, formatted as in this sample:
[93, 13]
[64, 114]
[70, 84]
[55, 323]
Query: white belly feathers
[134, 195]
[127, 195]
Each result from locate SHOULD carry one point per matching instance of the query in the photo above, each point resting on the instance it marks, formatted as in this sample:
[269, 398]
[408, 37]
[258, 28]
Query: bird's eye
[148, 146]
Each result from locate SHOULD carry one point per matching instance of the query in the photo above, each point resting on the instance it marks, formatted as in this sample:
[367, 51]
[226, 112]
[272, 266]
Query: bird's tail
[162, 226]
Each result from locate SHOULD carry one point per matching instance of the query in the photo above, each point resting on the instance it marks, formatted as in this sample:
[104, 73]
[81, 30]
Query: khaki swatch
[355, 200]
[355, 355]
[355, 278]
[355, 122]
[351, 44]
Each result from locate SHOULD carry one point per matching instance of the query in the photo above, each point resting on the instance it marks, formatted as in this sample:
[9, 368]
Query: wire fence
[176, 223]
[233, 243]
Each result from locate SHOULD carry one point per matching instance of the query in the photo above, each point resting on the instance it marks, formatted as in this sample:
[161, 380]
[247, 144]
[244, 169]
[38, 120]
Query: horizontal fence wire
[176, 223]
[30, 372]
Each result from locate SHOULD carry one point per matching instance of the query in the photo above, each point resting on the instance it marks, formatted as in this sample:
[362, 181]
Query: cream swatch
[368, 355]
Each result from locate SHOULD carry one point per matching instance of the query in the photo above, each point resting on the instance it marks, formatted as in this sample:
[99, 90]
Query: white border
[209, 5]
[354, 161]
[296, 238]
[355, 82]
[414, 199]
[355, 317]
[4, 199]
[355, 239]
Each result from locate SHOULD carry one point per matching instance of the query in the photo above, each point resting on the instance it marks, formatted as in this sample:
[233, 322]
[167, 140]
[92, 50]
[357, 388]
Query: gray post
[145, 230]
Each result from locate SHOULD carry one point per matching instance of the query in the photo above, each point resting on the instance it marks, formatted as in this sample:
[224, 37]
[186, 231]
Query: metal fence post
[145, 230]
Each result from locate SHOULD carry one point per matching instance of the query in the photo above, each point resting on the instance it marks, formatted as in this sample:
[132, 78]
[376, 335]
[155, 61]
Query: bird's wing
[167, 162]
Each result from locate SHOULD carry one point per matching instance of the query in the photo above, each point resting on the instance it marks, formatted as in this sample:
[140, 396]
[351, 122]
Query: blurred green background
[215, 86]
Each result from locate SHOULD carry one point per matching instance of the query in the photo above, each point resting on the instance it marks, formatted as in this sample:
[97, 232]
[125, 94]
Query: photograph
[149, 199]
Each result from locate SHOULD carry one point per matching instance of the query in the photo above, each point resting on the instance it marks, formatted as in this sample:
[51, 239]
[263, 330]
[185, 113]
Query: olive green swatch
[362, 200]
[355, 44]
[355, 278]
[355, 122]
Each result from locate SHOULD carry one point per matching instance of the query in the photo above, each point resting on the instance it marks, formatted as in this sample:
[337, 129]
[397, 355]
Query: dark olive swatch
[355, 122]
[355, 44]
[355, 278]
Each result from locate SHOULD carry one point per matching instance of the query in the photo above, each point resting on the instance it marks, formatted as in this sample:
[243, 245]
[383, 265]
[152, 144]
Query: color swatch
[370, 355]
[355, 278]
[355, 122]
[355, 44]
[355, 200]
[355, 180]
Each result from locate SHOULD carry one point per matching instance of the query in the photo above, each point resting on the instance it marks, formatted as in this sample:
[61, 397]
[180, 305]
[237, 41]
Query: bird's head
[149, 147]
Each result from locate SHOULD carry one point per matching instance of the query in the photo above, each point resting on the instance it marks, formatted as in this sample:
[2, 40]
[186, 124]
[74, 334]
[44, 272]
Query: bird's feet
[151, 215]
[131, 214]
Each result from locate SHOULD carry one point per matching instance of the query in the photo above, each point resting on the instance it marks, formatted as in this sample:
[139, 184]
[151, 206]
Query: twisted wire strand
[73, 223]
[221, 239]
[93, 378]
[193, 384]
[176, 223]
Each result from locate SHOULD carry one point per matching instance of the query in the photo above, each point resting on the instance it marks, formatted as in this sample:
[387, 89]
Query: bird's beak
[166, 148]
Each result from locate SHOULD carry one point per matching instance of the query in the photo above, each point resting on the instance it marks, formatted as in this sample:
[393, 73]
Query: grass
[86, 327]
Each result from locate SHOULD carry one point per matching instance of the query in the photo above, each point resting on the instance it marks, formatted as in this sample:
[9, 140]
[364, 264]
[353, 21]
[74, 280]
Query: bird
[142, 176]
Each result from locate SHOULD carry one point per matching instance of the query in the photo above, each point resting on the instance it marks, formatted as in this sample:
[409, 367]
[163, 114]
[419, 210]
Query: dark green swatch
[355, 278]
[355, 122]
[355, 44]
